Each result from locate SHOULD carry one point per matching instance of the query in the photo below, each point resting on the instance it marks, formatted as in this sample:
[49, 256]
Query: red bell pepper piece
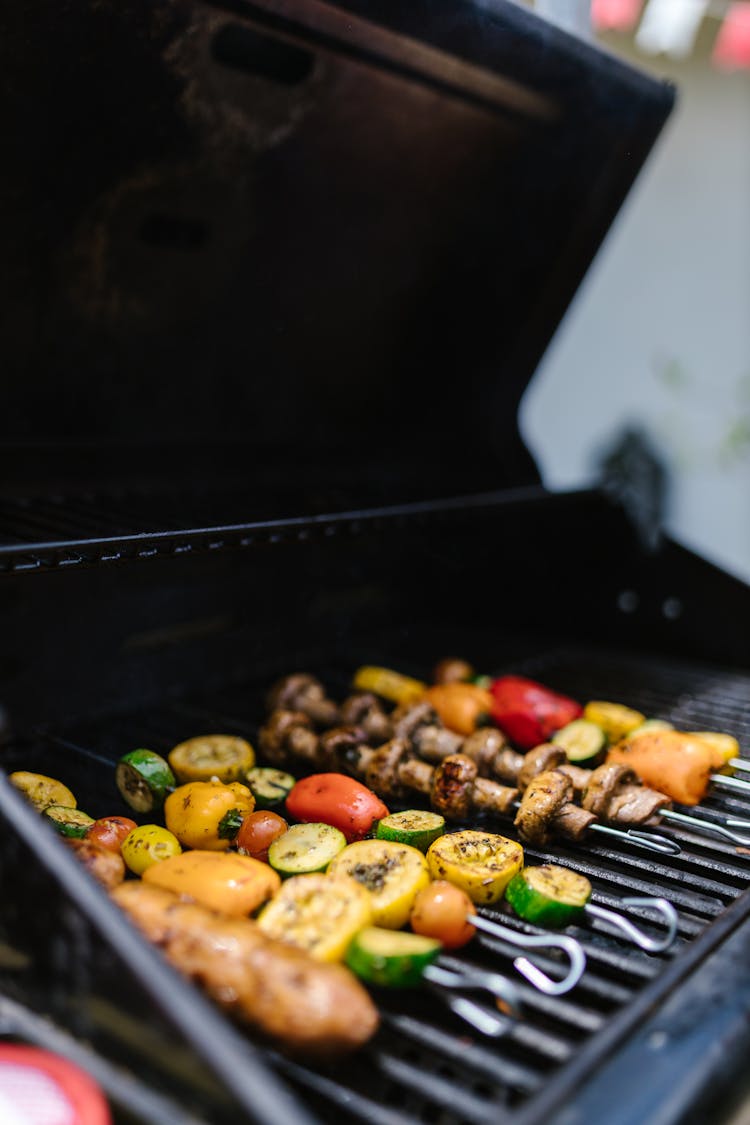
[334, 798]
[528, 712]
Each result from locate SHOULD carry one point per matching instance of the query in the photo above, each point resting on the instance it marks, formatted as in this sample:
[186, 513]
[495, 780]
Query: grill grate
[423, 1065]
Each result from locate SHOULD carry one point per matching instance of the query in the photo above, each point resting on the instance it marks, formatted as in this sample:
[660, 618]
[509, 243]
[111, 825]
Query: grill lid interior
[342, 233]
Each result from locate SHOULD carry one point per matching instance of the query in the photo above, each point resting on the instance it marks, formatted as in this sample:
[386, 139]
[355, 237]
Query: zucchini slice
[305, 849]
[393, 960]
[67, 821]
[41, 790]
[144, 779]
[651, 725]
[392, 873]
[480, 863]
[615, 719]
[415, 827]
[269, 787]
[317, 913]
[221, 756]
[549, 895]
[582, 740]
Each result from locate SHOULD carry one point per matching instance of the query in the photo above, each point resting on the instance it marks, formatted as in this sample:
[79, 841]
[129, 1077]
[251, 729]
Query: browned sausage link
[307, 1006]
[107, 867]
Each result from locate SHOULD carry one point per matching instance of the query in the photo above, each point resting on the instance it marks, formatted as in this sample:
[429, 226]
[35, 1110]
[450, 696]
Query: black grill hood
[247, 236]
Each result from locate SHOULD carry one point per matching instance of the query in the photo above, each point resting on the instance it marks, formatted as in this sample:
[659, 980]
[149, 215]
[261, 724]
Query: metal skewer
[701, 826]
[650, 841]
[488, 1022]
[636, 935]
[736, 784]
[572, 948]
[739, 763]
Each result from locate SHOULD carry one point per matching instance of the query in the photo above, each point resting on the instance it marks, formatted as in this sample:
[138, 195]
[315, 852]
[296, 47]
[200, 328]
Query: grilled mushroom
[420, 723]
[545, 796]
[456, 790]
[288, 735]
[614, 793]
[363, 709]
[341, 748]
[452, 671]
[489, 748]
[383, 769]
[544, 757]
[305, 693]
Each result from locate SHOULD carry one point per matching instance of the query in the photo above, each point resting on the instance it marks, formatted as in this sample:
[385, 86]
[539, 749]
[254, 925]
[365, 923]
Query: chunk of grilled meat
[547, 810]
[614, 792]
[305, 693]
[107, 867]
[288, 735]
[306, 1006]
[364, 710]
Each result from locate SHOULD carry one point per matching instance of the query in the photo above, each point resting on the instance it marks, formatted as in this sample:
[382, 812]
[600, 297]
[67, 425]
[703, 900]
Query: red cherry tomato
[258, 831]
[110, 831]
[528, 712]
[440, 911]
[338, 800]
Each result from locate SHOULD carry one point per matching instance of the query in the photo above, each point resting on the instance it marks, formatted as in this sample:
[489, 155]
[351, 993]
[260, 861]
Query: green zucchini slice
[305, 849]
[415, 827]
[582, 740]
[391, 958]
[269, 787]
[550, 895]
[67, 821]
[144, 779]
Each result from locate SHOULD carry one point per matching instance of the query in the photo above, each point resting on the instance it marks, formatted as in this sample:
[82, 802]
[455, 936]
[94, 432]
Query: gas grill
[268, 347]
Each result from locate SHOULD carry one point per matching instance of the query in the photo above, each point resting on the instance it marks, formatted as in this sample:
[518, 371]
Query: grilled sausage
[309, 1007]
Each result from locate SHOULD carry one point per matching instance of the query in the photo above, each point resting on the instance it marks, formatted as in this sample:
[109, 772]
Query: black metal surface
[423, 1065]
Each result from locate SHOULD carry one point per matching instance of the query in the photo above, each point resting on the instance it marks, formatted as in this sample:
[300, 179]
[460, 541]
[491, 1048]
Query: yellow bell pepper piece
[615, 719]
[393, 874]
[480, 863]
[223, 881]
[388, 684]
[207, 814]
[723, 746]
[318, 913]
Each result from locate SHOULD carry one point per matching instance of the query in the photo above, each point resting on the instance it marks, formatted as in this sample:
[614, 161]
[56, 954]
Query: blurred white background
[659, 334]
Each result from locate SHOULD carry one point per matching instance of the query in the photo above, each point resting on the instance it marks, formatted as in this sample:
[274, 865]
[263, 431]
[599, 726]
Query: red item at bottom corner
[38, 1087]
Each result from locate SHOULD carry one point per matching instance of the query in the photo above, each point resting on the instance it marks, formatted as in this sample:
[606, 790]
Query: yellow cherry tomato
[207, 814]
[221, 756]
[148, 844]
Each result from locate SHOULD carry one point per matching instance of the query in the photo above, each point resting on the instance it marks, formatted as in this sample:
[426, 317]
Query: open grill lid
[293, 231]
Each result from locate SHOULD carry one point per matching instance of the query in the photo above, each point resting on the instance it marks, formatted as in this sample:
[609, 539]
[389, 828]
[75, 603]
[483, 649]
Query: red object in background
[528, 712]
[615, 15]
[39, 1088]
[732, 47]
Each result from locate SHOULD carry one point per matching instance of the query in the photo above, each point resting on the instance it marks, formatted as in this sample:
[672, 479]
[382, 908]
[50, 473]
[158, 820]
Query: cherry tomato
[258, 831]
[338, 800]
[440, 911]
[110, 831]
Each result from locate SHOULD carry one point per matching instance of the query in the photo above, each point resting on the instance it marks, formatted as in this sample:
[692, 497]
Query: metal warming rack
[268, 328]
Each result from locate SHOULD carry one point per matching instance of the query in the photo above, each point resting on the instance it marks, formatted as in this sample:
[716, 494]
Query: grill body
[266, 338]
